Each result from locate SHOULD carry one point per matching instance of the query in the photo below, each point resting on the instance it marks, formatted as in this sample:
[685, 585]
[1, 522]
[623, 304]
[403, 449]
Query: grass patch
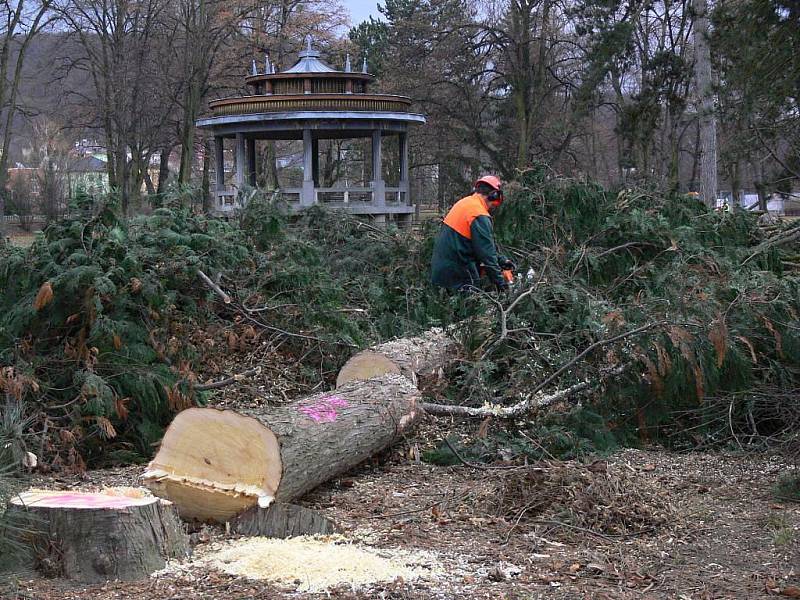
[782, 530]
[787, 488]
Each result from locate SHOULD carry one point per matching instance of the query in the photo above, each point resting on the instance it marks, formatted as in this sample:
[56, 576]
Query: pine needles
[88, 314]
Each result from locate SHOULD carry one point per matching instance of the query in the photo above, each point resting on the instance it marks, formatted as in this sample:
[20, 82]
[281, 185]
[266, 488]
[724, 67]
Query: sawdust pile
[314, 564]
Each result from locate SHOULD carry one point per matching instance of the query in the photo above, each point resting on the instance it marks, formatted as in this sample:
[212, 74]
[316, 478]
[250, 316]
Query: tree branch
[228, 381]
[214, 287]
[520, 408]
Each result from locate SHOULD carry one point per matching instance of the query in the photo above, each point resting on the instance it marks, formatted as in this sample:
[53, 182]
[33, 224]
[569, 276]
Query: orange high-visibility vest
[464, 212]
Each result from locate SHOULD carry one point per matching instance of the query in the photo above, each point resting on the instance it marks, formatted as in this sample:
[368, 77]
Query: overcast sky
[360, 10]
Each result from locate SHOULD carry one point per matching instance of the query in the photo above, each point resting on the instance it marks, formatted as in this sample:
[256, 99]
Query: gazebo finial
[347, 67]
[364, 66]
[255, 69]
[267, 66]
[308, 43]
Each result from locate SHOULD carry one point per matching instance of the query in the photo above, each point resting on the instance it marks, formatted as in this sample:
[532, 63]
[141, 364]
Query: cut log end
[215, 464]
[365, 365]
[119, 533]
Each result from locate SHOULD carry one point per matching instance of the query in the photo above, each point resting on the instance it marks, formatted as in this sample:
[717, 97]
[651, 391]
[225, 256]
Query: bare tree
[276, 30]
[20, 21]
[204, 25]
[705, 94]
[52, 159]
[116, 37]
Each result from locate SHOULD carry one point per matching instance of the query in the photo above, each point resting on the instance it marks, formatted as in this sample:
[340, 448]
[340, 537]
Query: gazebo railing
[347, 195]
[226, 200]
[291, 195]
[396, 196]
[338, 197]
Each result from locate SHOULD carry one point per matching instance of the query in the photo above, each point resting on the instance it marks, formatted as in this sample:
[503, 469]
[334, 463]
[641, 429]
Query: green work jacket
[464, 243]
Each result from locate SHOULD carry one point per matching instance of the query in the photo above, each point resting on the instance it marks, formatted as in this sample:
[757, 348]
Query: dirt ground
[20, 237]
[637, 524]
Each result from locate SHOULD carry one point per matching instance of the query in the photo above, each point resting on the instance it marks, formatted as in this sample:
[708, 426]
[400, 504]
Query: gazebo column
[219, 156]
[378, 185]
[405, 186]
[240, 161]
[307, 197]
[315, 161]
[251, 161]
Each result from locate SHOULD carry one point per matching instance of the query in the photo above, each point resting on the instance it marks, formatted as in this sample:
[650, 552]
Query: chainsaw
[506, 269]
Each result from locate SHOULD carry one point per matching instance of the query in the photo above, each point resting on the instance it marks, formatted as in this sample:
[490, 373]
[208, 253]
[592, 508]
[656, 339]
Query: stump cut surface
[81, 500]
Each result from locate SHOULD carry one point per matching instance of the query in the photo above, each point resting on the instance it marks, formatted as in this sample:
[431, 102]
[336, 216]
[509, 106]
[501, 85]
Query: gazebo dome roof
[310, 62]
[310, 90]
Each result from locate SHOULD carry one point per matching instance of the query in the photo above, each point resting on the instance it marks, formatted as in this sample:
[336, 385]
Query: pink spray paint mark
[86, 500]
[324, 411]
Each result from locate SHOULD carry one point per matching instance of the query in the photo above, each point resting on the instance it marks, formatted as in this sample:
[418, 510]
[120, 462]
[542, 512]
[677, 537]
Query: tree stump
[214, 464]
[120, 533]
[282, 520]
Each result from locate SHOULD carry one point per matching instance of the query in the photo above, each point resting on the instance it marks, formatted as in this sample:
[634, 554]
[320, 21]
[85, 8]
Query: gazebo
[312, 102]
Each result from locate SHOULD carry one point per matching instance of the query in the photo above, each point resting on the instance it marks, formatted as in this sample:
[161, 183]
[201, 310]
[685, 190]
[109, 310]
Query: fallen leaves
[106, 428]
[718, 336]
[773, 587]
[44, 296]
[791, 591]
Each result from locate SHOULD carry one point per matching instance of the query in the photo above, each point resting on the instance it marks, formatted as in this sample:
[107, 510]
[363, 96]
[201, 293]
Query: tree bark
[2, 216]
[163, 170]
[119, 534]
[705, 94]
[269, 169]
[441, 198]
[214, 464]
[419, 358]
[148, 183]
[281, 520]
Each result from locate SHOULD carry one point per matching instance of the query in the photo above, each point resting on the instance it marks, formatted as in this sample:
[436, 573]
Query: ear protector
[496, 197]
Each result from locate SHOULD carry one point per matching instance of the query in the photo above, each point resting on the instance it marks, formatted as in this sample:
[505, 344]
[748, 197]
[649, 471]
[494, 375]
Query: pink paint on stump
[324, 410]
[81, 500]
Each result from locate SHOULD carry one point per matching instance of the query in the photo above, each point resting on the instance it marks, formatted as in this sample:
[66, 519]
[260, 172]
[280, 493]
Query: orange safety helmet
[496, 197]
[491, 180]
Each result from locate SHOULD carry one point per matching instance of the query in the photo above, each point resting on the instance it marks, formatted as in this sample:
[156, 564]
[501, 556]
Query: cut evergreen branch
[100, 314]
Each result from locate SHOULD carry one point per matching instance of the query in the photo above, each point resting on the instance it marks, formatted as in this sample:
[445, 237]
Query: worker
[465, 244]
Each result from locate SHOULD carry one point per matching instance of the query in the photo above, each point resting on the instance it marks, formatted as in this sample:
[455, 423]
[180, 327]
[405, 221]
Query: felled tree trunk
[217, 464]
[121, 533]
[214, 464]
[416, 358]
